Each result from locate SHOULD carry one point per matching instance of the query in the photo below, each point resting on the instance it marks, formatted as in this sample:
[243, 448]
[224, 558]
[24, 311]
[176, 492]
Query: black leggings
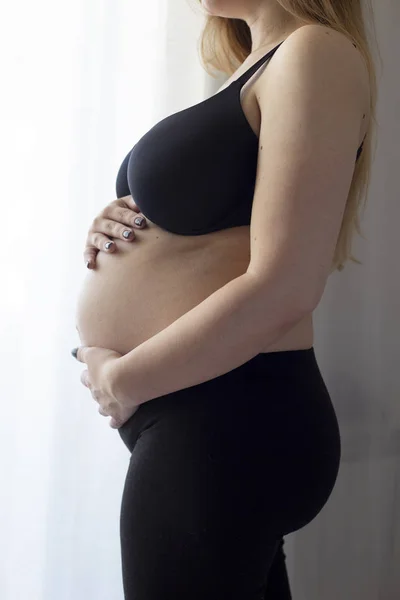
[219, 472]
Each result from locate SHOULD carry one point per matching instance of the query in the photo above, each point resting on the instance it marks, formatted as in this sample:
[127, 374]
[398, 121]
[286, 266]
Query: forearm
[227, 329]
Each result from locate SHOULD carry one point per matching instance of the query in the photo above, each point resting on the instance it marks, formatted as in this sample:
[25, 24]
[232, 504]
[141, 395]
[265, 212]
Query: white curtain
[82, 81]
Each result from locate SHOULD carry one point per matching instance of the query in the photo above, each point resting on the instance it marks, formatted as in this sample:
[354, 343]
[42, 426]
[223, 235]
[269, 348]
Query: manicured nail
[139, 221]
[108, 245]
[74, 352]
[127, 233]
[88, 264]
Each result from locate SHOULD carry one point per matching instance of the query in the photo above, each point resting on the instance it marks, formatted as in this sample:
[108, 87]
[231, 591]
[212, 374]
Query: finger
[101, 242]
[112, 229]
[124, 215]
[79, 353]
[115, 424]
[89, 256]
[129, 202]
[103, 412]
[85, 378]
[90, 252]
[140, 221]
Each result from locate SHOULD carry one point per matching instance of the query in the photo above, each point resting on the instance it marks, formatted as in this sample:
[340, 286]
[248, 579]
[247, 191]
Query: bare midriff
[146, 284]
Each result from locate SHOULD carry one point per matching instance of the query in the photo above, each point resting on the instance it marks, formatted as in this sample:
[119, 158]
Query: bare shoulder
[322, 44]
[316, 57]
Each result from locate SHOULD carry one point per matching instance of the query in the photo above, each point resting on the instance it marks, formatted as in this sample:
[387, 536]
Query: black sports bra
[194, 172]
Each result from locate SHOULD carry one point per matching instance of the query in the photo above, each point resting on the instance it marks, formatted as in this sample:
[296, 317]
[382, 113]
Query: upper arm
[312, 97]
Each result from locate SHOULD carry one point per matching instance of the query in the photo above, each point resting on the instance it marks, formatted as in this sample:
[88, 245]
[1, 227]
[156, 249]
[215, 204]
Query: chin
[223, 8]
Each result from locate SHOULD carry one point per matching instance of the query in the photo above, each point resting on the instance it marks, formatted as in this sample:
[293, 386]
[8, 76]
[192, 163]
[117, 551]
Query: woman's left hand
[98, 377]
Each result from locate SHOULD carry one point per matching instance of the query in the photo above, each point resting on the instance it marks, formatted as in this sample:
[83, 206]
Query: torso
[147, 284]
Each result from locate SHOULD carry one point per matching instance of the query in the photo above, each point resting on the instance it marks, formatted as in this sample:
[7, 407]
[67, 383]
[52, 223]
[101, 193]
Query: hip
[276, 401]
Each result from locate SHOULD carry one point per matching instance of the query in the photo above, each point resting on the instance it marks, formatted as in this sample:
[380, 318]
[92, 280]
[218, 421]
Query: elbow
[303, 305]
[286, 299]
[295, 310]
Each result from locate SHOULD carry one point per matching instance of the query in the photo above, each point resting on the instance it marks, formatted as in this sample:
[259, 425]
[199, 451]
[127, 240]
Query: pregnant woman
[197, 330]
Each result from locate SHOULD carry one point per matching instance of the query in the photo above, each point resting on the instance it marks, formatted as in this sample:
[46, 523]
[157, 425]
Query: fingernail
[139, 221]
[127, 233]
[88, 264]
[108, 245]
[74, 352]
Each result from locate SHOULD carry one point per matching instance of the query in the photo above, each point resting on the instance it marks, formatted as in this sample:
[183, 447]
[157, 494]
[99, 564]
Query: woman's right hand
[116, 218]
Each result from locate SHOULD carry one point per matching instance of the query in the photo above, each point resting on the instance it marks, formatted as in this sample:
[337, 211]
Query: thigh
[189, 526]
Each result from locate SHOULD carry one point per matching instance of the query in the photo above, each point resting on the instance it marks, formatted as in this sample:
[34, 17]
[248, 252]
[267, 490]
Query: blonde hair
[226, 42]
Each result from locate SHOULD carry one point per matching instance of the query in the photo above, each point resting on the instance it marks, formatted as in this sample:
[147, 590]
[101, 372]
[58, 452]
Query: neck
[269, 24]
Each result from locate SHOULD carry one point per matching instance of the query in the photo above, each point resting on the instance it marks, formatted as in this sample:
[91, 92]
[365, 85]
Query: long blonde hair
[226, 42]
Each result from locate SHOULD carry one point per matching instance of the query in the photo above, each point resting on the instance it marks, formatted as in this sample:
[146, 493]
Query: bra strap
[247, 74]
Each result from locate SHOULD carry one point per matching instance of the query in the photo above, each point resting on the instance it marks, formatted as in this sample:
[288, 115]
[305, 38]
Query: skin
[164, 287]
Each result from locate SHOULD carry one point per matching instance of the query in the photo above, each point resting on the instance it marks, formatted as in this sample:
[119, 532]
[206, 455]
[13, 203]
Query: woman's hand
[99, 378]
[112, 222]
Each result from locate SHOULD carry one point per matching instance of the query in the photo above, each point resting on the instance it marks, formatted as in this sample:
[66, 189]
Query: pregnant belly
[147, 284]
